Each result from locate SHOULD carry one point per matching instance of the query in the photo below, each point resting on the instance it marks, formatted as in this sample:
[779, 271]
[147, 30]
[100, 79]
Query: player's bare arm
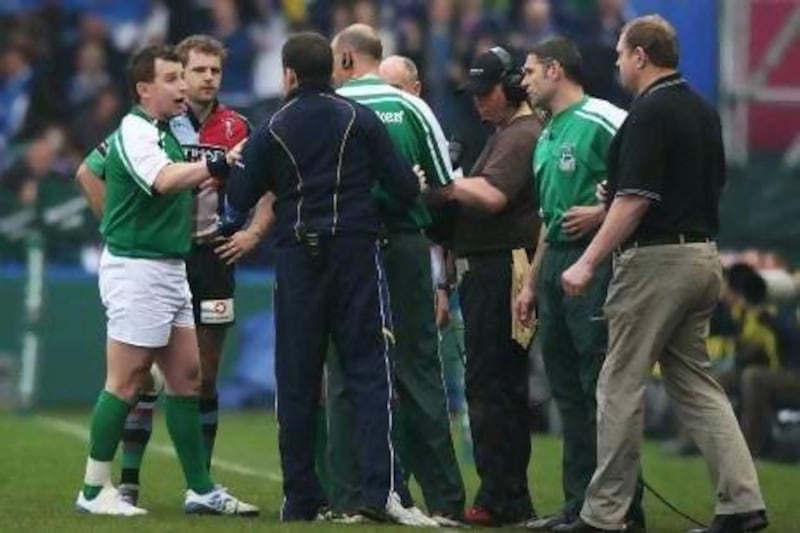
[244, 241]
[177, 177]
[94, 189]
[478, 193]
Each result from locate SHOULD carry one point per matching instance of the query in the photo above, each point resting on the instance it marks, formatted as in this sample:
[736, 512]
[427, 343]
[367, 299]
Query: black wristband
[217, 165]
[446, 287]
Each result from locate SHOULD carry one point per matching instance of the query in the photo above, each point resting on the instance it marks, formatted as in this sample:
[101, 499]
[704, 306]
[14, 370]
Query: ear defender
[512, 77]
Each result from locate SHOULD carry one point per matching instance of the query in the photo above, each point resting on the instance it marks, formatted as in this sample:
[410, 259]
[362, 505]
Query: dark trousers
[344, 299]
[496, 388]
[574, 338]
[421, 427]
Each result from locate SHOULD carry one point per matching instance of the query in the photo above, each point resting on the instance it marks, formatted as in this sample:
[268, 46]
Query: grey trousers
[658, 307]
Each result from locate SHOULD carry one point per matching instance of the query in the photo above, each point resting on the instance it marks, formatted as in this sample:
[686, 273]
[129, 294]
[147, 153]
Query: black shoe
[579, 526]
[736, 523]
[547, 523]
[297, 515]
[374, 514]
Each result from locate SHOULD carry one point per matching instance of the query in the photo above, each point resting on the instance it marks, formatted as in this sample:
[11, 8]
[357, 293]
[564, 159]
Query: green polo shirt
[570, 159]
[137, 221]
[417, 136]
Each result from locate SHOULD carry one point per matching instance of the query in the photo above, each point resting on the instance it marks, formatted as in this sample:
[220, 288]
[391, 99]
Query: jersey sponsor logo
[162, 137]
[566, 159]
[217, 311]
[391, 117]
[228, 123]
[196, 152]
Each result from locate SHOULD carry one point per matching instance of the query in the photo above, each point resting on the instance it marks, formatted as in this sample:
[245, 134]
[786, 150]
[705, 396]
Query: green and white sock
[183, 424]
[108, 421]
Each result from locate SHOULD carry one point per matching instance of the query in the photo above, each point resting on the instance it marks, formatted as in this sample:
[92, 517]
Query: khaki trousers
[658, 307]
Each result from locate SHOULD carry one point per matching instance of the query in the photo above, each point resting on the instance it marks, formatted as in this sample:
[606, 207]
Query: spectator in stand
[91, 75]
[440, 78]
[15, 92]
[26, 103]
[411, 33]
[92, 28]
[766, 373]
[36, 164]
[97, 119]
[369, 12]
[237, 79]
[573, 17]
[534, 24]
[599, 52]
[186, 17]
[268, 34]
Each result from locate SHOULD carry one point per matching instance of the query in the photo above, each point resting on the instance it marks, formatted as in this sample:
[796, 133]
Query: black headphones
[512, 77]
[347, 60]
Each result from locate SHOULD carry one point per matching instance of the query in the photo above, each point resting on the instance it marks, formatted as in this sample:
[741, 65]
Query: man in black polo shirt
[666, 169]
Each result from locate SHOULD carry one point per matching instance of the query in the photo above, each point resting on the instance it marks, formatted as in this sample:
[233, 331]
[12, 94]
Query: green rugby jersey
[570, 159]
[137, 221]
[415, 133]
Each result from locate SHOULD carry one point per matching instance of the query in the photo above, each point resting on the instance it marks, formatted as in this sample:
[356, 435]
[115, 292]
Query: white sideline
[81, 433]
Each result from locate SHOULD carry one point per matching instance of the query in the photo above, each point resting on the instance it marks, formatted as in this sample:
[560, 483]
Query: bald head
[357, 51]
[402, 73]
[361, 40]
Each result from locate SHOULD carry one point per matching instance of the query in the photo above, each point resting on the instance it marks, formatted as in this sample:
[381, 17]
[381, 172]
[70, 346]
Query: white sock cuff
[98, 473]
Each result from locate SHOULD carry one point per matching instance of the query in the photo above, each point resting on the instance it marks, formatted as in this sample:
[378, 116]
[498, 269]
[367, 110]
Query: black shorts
[212, 284]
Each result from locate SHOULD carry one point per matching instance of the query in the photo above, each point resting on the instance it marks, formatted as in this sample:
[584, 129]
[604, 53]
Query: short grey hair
[409, 65]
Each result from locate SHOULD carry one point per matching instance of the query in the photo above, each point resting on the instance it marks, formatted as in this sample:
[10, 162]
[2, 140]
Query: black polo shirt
[670, 150]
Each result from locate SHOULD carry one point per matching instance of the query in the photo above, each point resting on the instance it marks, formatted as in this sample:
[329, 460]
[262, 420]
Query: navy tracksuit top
[320, 154]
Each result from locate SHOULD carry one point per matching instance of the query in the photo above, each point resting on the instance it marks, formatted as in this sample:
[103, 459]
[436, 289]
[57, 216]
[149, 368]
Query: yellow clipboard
[521, 333]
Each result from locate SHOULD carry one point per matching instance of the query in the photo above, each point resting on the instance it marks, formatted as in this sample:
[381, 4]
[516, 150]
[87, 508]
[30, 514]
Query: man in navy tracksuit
[320, 155]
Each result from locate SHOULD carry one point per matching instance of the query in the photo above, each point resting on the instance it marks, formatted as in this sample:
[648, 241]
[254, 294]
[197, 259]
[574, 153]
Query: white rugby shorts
[144, 299]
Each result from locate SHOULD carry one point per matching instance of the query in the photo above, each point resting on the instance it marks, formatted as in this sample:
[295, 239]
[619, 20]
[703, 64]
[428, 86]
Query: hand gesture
[601, 191]
[525, 307]
[231, 249]
[423, 181]
[576, 278]
[582, 220]
[234, 155]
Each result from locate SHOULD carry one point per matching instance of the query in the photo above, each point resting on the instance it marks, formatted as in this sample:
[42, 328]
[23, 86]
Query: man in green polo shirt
[569, 164]
[146, 225]
[421, 429]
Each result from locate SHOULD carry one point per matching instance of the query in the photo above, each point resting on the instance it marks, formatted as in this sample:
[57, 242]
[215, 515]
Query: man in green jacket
[421, 430]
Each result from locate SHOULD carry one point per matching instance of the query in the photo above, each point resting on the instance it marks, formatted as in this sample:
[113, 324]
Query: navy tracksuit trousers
[340, 295]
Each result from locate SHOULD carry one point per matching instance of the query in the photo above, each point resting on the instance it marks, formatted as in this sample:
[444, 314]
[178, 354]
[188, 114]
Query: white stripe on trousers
[384, 327]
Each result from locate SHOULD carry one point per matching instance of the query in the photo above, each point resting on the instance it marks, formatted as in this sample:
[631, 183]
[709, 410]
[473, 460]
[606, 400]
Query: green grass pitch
[42, 458]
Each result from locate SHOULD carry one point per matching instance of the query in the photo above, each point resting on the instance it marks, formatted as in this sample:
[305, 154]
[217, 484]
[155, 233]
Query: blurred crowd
[754, 343]
[62, 90]
[62, 86]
